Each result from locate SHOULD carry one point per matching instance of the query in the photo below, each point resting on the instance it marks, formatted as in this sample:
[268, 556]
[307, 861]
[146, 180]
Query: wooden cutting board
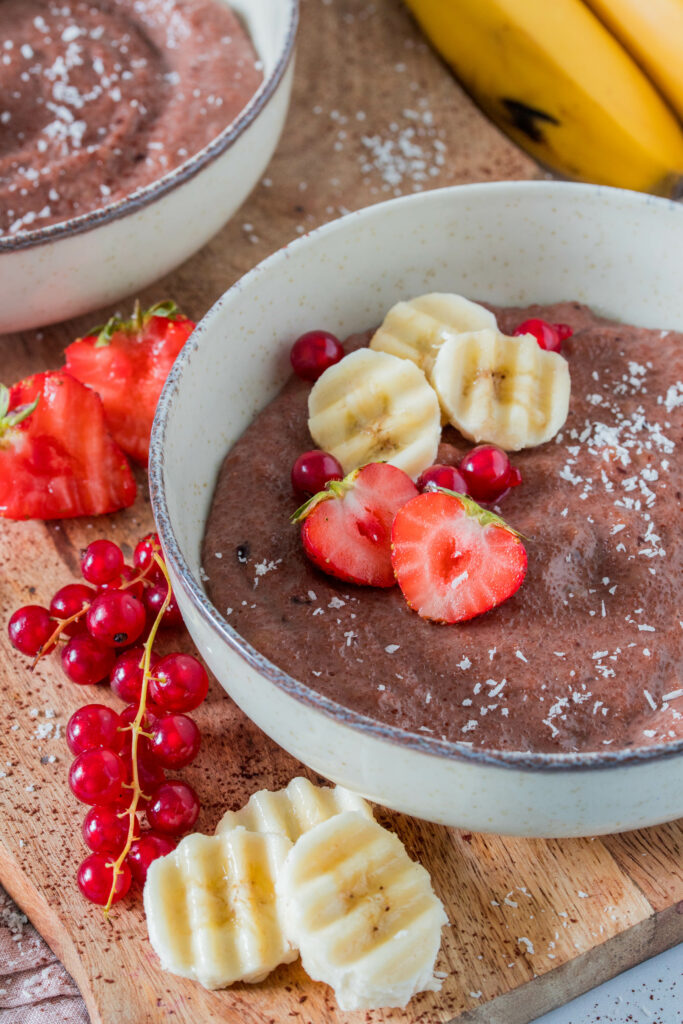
[533, 923]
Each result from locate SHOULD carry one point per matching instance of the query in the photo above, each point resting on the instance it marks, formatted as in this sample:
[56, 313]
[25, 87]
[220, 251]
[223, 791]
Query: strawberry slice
[127, 362]
[454, 560]
[346, 528]
[57, 458]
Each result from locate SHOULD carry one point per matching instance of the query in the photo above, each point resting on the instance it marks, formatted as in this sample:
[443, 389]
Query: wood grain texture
[532, 923]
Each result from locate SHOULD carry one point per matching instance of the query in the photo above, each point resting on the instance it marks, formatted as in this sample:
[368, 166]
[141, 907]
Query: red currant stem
[55, 635]
[136, 732]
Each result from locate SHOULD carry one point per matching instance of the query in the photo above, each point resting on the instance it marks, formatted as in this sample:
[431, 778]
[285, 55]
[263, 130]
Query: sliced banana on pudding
[416, 329]
[292, 811]
[211, 908]
[363, 914]
[507, 391]
[375, 407]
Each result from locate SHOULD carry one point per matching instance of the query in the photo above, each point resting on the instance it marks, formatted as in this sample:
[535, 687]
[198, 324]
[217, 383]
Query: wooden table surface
[374, 114]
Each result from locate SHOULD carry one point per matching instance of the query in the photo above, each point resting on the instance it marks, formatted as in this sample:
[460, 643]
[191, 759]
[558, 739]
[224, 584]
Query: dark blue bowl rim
[421, 742]
[187, 170]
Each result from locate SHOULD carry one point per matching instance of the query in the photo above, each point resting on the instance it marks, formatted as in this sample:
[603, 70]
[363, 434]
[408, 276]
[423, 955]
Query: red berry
[70, 600]
[92, 727]
[564, 331]
[145, 850]
[122, 582]
[30, 628]
[105, 830]
[451, 560]
[488, 473]
[101, 562]
[312, 470]
[116, 618]
[180, 683]
[314, 352]
[126, 676]
[96, 776]
[173, 808]
[143, 556]
[87, 661]
[95, 878]
[547, 335]
[175, 741]
[130, 713]
[154, 598]
[442, 476]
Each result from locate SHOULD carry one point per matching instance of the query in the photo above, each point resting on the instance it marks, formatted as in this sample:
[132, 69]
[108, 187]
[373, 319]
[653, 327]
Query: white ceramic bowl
[87, 262]
[513, 243]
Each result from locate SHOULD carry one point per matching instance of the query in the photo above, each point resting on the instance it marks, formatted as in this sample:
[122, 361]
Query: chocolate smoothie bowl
[131, 131]
[557, 711]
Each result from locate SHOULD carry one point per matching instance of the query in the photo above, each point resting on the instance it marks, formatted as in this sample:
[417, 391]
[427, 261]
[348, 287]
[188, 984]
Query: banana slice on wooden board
[507, 391]
[417, 328]
[375, 407]
[211, 908]
[292, 811]
[363, 914]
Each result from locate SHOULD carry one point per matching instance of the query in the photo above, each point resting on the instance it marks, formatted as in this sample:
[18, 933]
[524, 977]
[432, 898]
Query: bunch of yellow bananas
[593, 90]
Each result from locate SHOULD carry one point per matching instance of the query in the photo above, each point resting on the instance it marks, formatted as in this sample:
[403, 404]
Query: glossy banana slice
[375, 407]
[212, 914]
[363, 914]
[507, 391]
[416, 329]
[292, 811]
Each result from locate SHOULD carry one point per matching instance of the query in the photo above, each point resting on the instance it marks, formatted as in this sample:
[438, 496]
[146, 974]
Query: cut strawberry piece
[57, 458]
[127, 362]
[454, 560]
[346, 528]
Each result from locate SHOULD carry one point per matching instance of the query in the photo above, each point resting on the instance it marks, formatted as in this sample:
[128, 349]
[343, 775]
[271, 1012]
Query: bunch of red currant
[120, 758]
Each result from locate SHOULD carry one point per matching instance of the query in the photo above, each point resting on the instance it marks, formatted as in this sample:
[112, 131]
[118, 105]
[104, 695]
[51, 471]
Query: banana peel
[554, 78]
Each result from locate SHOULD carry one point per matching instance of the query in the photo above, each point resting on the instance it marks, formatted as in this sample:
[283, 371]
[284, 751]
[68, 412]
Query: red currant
[68, 601]
[92, 727]
[123, 582]
[175, 741]
[155, 597]
[97, 776]
[488, 473]
[126, 676]
[547, 335]
[30, 628]
[173, 808]
[564, 331]
[116, 618]
[312, 470]
[105, 830]
[180, 683]
[145, 850]
[87, 661]
[442, 476]
[101, 562]
[314, 352]
[143, 556]
[96, 876]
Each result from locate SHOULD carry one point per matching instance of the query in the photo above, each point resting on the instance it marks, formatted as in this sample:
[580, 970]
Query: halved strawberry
[346, 528]
[57, 458]
[127, 362]
[452, 559]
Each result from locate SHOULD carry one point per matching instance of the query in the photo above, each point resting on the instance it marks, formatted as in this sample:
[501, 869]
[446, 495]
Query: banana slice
[416, 329]
[292, 811]
[212, 914]
[375, 407]
[363, 914]
[508, 391]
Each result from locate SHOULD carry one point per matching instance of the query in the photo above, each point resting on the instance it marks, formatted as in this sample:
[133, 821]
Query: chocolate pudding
[101, 97]
[585, 656]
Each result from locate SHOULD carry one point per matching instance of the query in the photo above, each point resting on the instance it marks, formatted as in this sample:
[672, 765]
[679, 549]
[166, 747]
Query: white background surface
[651, 993]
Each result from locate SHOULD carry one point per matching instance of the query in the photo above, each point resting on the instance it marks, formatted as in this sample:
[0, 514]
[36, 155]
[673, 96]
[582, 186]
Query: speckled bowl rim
[453, 750]
[178, 176]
